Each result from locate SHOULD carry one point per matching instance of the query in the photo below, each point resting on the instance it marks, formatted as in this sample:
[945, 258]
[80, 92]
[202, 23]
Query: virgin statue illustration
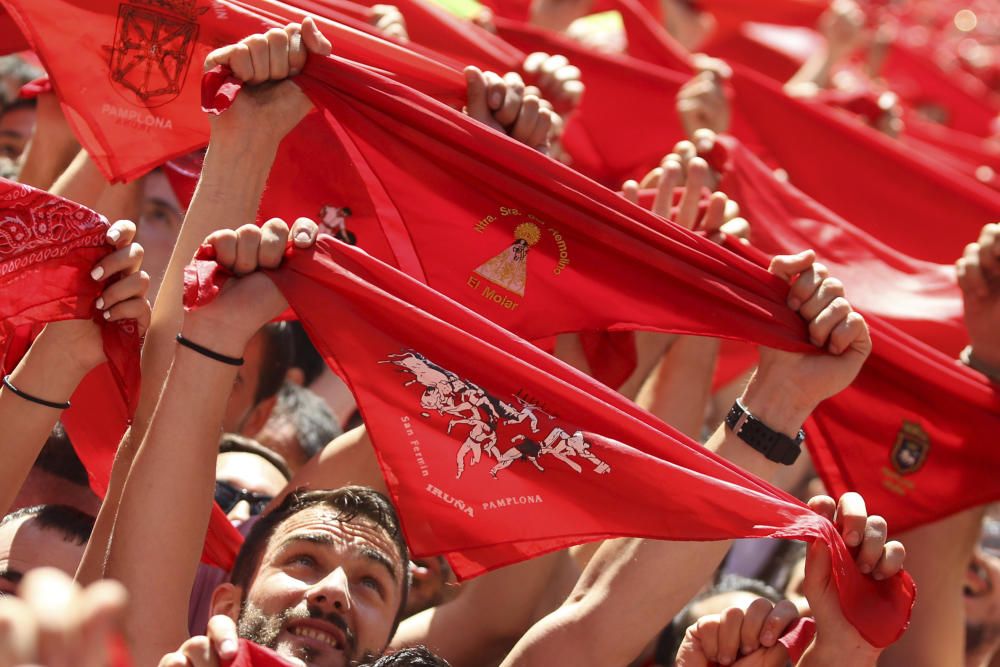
[509, 269]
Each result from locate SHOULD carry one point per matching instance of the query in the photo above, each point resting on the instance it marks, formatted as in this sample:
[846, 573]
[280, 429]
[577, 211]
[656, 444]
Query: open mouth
[325, 635]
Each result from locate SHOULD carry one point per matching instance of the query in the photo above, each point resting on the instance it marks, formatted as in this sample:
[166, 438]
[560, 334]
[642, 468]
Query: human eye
[301, 560]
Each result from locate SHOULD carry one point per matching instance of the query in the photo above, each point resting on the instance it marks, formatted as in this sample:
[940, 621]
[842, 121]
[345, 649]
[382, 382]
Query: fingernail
[107, 314]
[853, 538]
[747, 650]
[302, 237]
[228, 647]
[495, 100]
[878, 576]
[767, 638]
[794, 303]
[100, 303]
[97, 273]
[114, 235]
[865, 569]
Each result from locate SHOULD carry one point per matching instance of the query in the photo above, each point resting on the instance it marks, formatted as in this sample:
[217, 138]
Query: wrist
[219, 335]
[837, 652]
[779, 405]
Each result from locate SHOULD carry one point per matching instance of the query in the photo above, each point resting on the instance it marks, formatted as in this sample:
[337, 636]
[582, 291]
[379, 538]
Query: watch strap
[775, 446]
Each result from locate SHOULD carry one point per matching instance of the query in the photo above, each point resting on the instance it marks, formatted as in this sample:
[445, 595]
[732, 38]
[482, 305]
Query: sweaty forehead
[320, 523]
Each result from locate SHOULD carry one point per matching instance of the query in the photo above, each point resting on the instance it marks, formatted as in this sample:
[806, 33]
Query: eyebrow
[164, 203]
[373, 555]
[12, 134]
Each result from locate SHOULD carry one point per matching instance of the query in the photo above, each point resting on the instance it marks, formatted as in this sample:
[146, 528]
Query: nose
[331, 593]
[240, 513]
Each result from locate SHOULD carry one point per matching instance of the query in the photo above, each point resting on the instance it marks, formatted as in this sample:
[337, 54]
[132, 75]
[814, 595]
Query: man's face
[24, 546]
[250, 472]
[326, 592]
[241, 400]
[160, 221]
[16, 127]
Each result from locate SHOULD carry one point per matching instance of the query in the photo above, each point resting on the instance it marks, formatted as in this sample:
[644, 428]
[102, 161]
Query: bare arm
[623, 586]
[58, 360]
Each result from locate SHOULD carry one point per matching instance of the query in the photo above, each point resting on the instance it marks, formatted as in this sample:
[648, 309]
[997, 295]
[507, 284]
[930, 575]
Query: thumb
[475, 96]
[787, 267]
[817, 577]
[314, 40]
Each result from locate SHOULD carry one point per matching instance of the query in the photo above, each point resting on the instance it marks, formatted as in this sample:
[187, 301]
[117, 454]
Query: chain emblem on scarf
[153, 48]
[506, 431]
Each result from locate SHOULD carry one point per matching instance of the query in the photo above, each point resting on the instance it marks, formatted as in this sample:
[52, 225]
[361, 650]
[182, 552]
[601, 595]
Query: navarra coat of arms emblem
[153, 48]
[910, 451]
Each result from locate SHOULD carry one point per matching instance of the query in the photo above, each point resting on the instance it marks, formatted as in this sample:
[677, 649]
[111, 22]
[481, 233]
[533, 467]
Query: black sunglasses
[228, 496]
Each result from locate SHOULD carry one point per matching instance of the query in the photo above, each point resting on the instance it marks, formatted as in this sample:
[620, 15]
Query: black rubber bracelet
[34, 399]
[204, 351]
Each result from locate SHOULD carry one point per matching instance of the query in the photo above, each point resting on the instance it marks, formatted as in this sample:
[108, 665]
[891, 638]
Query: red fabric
[33, 89]
[730, 15]
[11, 39]
[897, 196]
[460, 186]
[908, 433]
[922, 298]
[385, 331]
[798, 638]
[252, 655]
[913, 75]
[126, 133]
[48, 246]
[903, 211]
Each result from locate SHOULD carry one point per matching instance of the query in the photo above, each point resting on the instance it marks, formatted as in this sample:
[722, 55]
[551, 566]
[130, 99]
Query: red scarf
[48, 246]
[130, 124]
[417, 362]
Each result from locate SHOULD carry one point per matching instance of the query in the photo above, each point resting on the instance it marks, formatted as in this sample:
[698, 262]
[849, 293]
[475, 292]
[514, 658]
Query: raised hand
[556, 79]
[842, 25]
[835, 636]
[54, 622]
[503, 104]
[272, 105]
[123, 298]
[388, 20]
[251, 300]
[702, 103]
[978, 273]
[741, 637]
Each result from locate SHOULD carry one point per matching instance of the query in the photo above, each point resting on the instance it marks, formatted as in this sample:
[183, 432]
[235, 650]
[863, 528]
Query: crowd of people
[113, 550]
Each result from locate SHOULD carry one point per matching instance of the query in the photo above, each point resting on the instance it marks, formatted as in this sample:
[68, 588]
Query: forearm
[623, 585]
[45, 160]
[650, 348]
[679, 387]
[46, 372]
[227, 197]
[81, 181]
[166, 502]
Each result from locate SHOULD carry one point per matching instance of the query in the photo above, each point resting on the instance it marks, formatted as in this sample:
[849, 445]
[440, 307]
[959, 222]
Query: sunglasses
[228, 496]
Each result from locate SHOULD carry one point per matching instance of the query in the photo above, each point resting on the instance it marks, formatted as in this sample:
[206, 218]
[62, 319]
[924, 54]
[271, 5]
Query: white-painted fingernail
[100, 303]
[228, 647]
[114, 235]
[97, 273]
[302, 237]
[107, 314]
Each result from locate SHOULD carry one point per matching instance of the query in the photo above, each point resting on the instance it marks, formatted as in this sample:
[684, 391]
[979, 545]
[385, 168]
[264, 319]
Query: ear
[258, 417]
[227, 600]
